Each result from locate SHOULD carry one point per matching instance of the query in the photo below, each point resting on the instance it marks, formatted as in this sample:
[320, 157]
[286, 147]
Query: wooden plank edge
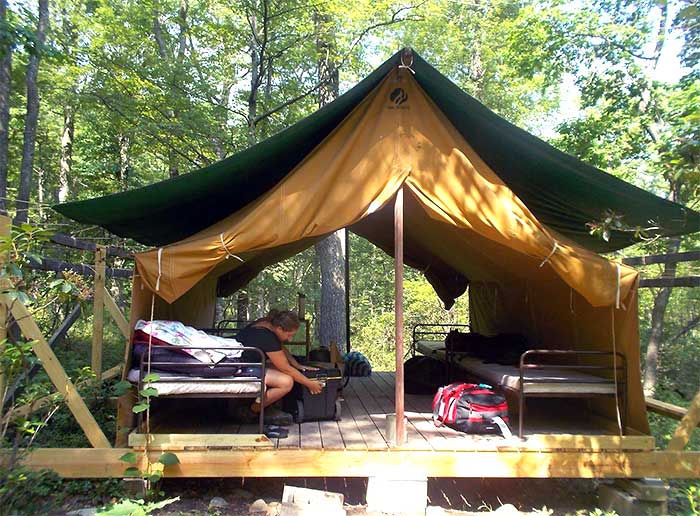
[183, 441]
[103, 463]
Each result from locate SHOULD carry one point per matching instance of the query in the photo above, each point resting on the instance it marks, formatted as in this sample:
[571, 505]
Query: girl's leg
[277, 385]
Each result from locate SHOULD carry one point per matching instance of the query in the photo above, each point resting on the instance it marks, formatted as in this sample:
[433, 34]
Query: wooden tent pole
[398, 311]
[347, 290]
[5, 231]
[98, 315]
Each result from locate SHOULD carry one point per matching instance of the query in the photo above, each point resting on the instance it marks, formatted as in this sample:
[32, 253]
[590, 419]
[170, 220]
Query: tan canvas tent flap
[395, 136]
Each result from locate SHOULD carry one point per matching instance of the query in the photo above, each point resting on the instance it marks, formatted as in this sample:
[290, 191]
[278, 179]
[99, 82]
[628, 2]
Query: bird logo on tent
[398, 96]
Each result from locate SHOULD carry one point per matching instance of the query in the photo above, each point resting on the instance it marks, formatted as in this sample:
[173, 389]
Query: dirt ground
[561, 497]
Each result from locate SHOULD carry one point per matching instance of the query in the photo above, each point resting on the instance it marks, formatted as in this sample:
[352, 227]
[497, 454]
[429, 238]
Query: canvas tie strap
[617, 400]
[407, 66]
[554, 250]
[160, 255]
[228, 253]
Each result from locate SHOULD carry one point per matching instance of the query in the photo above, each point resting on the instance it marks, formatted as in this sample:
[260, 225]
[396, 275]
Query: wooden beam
[103, 463]
[398, 316]
[49, 264]
[66, 325]
[98, 311]
[174, 442]
[666, 409]
[37, 405]
[685, 428]
[689, 281]
[56, 373]
[6, 232]
[688, 256]
[69, 241]
[116, 314]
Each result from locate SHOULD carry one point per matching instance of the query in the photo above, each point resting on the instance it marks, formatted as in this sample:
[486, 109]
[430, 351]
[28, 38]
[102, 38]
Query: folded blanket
[175, 333]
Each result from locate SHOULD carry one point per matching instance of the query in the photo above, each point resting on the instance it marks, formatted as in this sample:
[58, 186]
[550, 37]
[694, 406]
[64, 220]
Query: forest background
[102, 96]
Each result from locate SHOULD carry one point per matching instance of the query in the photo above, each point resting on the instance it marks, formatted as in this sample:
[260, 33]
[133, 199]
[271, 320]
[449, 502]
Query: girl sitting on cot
[268, 334]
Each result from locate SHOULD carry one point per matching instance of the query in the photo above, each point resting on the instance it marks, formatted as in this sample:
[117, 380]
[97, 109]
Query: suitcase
[305, 406]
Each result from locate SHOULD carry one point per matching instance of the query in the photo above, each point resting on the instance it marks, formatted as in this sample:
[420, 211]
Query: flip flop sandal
[280, 433]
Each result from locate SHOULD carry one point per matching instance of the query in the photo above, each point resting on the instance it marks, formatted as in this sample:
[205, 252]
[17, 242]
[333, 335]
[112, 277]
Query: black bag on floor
[305, 406]
[423, 375]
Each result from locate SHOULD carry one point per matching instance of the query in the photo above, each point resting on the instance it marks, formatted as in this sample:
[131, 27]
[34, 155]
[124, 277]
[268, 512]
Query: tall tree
[6, 41]
[331, 250]
[32, 116]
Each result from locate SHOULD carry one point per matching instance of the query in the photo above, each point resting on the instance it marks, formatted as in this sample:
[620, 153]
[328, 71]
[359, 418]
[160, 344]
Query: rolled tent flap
[395, 136]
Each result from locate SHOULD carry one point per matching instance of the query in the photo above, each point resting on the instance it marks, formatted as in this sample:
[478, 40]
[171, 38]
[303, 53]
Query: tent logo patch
[398, 97]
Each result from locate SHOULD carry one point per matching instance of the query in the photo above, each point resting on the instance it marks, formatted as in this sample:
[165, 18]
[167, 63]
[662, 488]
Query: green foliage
[27, 492]
[135, 507]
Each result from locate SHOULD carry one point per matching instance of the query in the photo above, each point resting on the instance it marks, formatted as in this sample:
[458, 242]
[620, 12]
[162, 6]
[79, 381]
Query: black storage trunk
[305, 406]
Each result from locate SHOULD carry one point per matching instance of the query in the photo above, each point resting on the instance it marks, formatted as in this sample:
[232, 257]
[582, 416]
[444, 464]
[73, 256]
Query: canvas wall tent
[486, 204]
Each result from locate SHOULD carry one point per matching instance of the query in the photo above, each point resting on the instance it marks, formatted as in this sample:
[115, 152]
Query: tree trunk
[657, 324]
[64, 173]
[5, 78]
[254, 81]
[32, 117]
[330, 251]
[242, 309]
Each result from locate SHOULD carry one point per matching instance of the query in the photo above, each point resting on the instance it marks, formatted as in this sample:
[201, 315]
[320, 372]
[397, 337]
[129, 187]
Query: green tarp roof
[562, 192]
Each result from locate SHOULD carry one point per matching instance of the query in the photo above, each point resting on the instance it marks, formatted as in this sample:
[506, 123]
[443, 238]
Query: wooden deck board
[370, 433]
[349, 429]
[379, 404]
[293, 439]
[310, 435]
[331, 438]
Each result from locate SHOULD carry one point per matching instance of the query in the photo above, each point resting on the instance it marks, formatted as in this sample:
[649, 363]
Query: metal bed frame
[618, 367]
[146, 359]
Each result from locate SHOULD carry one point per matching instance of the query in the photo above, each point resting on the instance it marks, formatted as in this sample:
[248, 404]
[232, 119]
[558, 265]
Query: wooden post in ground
[98, 315]
[398, 310]
[5, 231]
[691, 419]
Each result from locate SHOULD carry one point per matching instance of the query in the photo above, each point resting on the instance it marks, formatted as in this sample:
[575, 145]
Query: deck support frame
[104, 463]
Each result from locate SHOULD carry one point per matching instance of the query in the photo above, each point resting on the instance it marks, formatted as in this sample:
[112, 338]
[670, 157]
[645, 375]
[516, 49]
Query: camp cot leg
[521, 411]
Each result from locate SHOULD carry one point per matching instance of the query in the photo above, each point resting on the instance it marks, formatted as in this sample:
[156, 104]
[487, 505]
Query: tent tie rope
[617, 399]
[407, 66]
[229, 253]
[617, 290]
[160, 255]
[554, 250]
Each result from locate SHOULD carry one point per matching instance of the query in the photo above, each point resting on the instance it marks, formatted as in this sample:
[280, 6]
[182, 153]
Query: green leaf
[132, 472]
[155, 477]
[140, 407]
[152, 377]
[66, 287]
[149, 392]
[129, 458]
[121, 388]
[168, 459]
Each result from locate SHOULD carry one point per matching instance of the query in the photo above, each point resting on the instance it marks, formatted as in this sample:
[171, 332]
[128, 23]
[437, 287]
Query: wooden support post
[98, 315]
[347, 290]
[5, 231]
[56, 373]
[398, 311]
[116, 314]
[685, 427]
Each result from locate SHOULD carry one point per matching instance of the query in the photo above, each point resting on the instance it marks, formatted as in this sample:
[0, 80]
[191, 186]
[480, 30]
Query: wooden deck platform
[209, 443]
[365, 404]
